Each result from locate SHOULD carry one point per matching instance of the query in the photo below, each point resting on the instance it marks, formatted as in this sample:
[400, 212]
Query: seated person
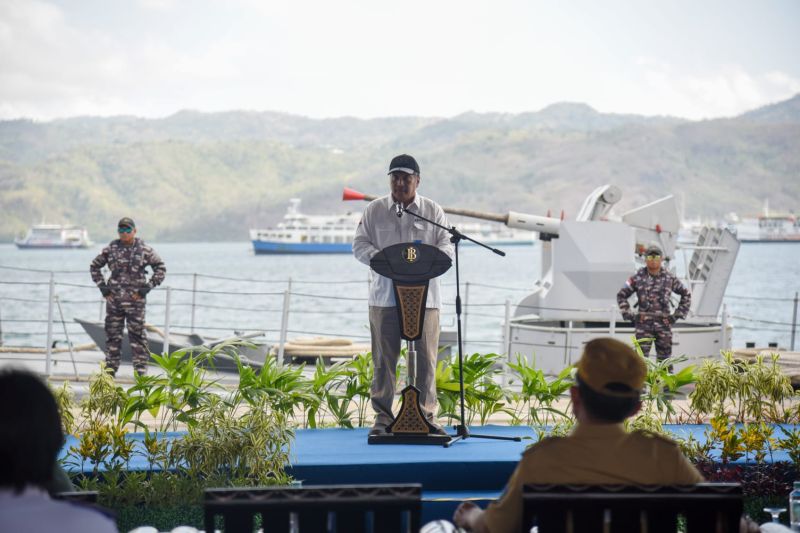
[30, 438]
[609, 381]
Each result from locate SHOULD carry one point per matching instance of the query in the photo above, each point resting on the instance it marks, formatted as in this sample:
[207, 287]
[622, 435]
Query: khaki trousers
[384, 327]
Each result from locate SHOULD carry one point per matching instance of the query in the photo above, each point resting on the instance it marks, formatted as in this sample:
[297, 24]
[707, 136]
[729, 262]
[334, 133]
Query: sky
[376, 58]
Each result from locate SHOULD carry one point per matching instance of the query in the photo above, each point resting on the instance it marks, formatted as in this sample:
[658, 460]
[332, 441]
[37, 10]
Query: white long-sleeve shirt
[33, 510]
[380, 227]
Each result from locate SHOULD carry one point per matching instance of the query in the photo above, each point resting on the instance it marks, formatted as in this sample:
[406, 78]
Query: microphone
[398, 207]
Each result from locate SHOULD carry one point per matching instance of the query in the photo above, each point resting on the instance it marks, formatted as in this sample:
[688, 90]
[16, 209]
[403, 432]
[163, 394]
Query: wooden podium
[410, 266]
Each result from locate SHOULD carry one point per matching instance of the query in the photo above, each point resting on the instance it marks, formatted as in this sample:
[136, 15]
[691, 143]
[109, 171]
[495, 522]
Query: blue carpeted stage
[474, 468]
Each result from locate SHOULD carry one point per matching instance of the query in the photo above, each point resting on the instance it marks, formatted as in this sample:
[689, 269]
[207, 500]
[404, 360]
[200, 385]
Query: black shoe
[438, 430]
[377, 430]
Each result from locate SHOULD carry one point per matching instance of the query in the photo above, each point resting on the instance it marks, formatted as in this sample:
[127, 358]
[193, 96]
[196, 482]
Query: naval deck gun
[586, 261]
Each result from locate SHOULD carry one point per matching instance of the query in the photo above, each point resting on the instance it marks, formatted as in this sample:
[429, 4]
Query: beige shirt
[594, 454]
[381, 227]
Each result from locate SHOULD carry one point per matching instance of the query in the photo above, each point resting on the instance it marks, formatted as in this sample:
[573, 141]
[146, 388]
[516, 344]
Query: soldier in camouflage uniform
[126, 293]
[654, 286]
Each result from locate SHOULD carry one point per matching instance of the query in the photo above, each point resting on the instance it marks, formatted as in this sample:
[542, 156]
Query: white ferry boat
[333, 234]
[307, 234]
[768, 227]
[54, 236]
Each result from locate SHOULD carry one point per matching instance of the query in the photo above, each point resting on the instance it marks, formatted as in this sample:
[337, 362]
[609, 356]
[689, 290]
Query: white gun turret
[587, 260]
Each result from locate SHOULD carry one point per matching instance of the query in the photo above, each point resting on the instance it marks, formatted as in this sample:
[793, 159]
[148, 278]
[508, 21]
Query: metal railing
[182, 306]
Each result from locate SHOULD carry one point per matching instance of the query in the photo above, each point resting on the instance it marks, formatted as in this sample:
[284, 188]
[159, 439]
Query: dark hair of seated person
[30, 431]
[605, 408]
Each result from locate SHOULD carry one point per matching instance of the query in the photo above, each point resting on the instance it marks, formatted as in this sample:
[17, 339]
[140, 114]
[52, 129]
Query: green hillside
[227, 172]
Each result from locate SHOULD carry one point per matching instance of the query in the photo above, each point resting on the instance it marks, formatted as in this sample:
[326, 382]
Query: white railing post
[724, 327]
[794, 320]
[612, 322]
[50, 303]
[194, 296]
[284, 321]
[506, 344]
[568, 344]
[166, 322]
[66, 336]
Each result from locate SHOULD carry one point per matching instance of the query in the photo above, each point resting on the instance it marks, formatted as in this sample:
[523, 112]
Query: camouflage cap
[653, 250]
[612, 368]
[126, 222]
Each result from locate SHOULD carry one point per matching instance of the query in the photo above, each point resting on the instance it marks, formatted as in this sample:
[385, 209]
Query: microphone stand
[462, 433]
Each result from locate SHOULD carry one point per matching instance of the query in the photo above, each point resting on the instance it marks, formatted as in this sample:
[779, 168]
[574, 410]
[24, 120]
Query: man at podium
[383, 224]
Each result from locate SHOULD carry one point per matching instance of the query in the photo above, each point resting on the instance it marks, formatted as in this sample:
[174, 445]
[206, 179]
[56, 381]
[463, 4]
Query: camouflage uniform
[127, 265]
[655, 318]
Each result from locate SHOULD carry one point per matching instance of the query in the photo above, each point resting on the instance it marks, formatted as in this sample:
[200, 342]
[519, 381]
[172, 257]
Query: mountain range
[211, 176]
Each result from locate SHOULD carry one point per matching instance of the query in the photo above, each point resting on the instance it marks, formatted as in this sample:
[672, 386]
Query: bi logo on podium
[410, 254]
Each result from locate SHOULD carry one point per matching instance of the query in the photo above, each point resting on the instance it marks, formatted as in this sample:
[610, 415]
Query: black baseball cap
[126, 222]
[404, 163]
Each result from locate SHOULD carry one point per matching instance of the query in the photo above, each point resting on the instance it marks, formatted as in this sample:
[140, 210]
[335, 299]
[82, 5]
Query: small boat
[54, 236]
[333, 234]
[224, 361]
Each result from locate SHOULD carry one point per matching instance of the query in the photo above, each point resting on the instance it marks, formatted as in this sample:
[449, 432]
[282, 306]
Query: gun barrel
[512, 219]
[494, 217]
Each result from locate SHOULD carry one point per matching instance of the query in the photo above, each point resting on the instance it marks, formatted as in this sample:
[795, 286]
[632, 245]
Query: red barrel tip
[352, 194]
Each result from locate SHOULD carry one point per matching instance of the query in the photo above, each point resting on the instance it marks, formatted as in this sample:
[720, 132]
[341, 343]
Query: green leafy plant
[65, 399]
[661, 385]
[749, 391]
[483, 397]
[790, 443]
[447, 392]
[538, 393]
[339, 392]
[357, 383]
[236, 437]
[243, 435]
[723, 432]
[282, 387]
[249, 445]
[757, 440]
[324, 399]
[694, 450]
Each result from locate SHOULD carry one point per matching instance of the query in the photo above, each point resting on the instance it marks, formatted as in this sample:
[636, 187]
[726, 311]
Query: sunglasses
[402, 177]
[652, 257]
[124, 229]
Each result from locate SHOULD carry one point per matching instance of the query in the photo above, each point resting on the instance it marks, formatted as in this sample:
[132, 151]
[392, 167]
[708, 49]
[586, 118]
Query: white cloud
[159, 5]
[47, 67]
[50, 68]
[314, 57]
[727, 90]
